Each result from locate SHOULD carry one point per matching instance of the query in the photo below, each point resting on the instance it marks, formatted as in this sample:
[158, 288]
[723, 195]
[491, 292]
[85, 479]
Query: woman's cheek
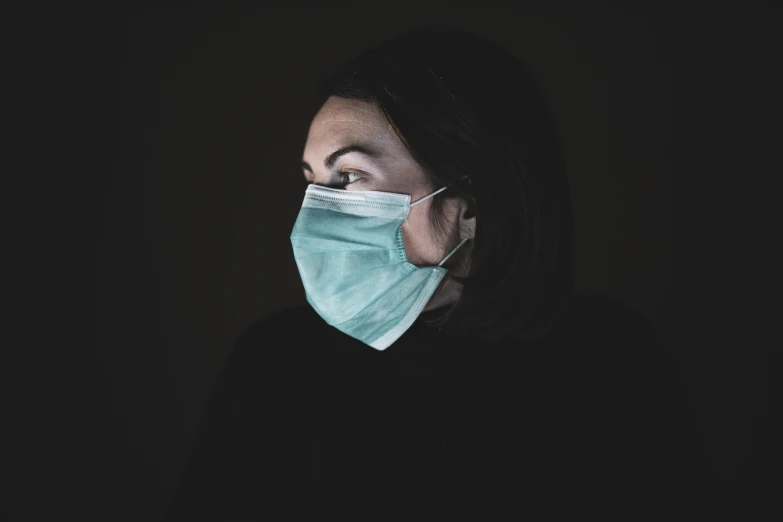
[420, 247]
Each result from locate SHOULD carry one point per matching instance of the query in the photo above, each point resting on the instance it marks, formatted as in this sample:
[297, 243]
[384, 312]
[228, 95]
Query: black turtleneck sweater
[594, 409]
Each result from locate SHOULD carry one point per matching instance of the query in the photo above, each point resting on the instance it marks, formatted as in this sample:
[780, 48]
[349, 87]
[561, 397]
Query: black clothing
[596, 408]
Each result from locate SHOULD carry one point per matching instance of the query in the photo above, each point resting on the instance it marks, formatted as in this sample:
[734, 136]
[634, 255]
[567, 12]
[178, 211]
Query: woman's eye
[349, 177]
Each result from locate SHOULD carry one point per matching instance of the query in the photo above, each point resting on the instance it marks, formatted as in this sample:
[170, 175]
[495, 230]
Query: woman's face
[385, 166]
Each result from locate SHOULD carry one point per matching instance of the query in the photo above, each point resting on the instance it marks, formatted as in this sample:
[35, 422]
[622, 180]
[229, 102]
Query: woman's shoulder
[626, 340]
[600, 303]
[268, 353]
[607, 315]
[277, 334]
[613, 329]
[285, 323]
[294, 335]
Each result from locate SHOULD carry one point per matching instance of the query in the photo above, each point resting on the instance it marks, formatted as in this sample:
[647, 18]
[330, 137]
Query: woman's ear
[467, 222]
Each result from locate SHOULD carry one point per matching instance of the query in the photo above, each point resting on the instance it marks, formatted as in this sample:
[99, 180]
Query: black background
[161, 180]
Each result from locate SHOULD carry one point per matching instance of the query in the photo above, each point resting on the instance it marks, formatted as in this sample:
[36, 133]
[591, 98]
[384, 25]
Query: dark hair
[472, 115]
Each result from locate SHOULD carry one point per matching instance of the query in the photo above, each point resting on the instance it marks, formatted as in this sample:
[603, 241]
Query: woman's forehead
[341, 122]
[336, 107]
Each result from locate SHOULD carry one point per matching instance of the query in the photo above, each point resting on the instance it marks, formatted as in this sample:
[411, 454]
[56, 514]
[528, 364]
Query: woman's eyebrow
[332, 158]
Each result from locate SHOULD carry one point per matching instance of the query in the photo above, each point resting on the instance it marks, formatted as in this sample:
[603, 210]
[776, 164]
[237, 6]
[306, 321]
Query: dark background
[162, 152]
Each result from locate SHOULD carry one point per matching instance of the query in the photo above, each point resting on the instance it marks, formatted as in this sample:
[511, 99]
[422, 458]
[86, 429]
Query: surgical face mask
[349, 250]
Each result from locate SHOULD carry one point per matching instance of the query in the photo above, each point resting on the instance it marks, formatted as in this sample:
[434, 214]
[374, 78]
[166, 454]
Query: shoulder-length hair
[473, 116]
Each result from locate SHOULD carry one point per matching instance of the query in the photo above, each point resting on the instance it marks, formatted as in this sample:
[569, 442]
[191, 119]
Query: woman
[442, 344]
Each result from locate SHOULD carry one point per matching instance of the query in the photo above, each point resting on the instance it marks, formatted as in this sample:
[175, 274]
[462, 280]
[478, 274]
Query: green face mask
[350, 254]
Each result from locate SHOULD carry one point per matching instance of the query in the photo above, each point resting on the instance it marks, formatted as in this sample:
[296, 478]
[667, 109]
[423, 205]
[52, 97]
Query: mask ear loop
[425, 197]
[461, 242]
[454, 250]
[429, 196]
